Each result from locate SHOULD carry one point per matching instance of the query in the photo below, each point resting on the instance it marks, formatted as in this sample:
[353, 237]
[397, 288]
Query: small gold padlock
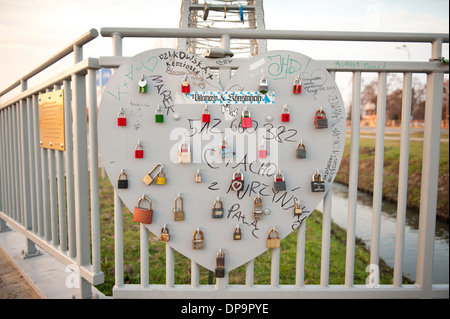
[161, 177]
[198, 176]
[178, 213]
[237, 235]
[165, 235]
[273, 242]
[148, 179]
[297, 208]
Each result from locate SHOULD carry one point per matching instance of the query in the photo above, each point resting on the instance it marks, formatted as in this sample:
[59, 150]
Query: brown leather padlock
[143, 215]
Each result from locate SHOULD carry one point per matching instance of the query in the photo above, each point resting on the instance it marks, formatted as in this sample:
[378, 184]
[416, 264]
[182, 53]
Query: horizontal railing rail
[75, 47]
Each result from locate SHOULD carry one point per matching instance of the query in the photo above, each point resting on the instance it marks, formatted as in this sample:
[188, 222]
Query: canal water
[388, 232]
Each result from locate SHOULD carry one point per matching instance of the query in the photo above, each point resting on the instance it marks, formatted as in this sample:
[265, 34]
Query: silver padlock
[198, 241]
[317, 183]
[301, 150]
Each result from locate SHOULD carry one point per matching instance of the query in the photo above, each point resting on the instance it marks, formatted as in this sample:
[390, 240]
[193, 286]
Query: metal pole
[430, 175]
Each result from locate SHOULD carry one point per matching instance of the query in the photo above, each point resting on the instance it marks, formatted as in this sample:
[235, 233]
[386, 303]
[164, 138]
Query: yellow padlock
[161, 177]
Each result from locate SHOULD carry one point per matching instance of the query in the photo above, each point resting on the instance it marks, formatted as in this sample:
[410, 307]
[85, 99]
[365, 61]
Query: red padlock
[285, 115]
[121, 119]
[206, 117]
[185, 86]
[139, 151]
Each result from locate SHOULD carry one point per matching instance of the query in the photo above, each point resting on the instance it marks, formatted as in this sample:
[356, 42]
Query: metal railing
[44, 193]
[33, 180]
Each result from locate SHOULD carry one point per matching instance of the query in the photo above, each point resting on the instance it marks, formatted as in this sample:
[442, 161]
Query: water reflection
[388, 231]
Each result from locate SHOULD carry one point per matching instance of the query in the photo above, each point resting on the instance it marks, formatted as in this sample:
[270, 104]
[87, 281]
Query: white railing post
[402, 180]
[430, 174]
[353, 181]
[378, 181]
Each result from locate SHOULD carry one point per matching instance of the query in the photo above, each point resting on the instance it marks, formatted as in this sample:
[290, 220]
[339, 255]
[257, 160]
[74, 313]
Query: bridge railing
[44, 193]
[52, 198]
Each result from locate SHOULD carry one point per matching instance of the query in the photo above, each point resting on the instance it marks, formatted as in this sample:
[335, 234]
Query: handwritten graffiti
[282, 66]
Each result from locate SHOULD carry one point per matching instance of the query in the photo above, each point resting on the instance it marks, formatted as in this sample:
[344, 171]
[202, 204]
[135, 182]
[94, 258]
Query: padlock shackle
[301, 144]
[257, 200]
[165, 230]
[271, 231]
[181, 201]
[123, 174]
[218, 201]
[278, 174]
[317, 177]
[198, 232]
[246, 112]
[319, 112]
[145, 198]
[184, 144]
[241, 175]
[154, 168]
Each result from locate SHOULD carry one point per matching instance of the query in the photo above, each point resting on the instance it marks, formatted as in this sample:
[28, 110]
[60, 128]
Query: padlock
[246, 119]
[206, 116]
[301, 150]
[220, 264]
[184, 153]
[217, 212]
[159, 115]
[237, 234]
[297, 208]
[257, 208]
[238, 181]
[263, 87]
[273, 242]
[285, 115]
[317, 183]
[122, 183]
[161, 177]
[198, 176]
[165, 235]
[279, 182]
[142, 85]
[143, 215]
[297, 85]
[148, 179]
[262, 151]
[320, 119]
[185, 86]
[121, 119]
[178, 212]
[226, 149]
[139, 151]
[198, 243]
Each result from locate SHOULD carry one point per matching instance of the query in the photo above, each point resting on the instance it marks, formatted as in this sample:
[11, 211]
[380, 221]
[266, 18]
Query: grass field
[237, 276]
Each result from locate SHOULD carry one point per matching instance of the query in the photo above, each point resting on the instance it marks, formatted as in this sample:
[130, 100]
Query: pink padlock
[262, 152]
[246, 119]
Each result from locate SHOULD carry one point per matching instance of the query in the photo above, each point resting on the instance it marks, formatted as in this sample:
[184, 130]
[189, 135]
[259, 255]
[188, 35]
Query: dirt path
[12, 283]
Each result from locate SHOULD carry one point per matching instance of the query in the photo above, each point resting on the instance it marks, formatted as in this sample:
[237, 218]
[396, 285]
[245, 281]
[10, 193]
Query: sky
[31, 31]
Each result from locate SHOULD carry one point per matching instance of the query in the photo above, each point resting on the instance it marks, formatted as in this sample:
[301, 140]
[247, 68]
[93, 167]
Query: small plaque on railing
[51, 120]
